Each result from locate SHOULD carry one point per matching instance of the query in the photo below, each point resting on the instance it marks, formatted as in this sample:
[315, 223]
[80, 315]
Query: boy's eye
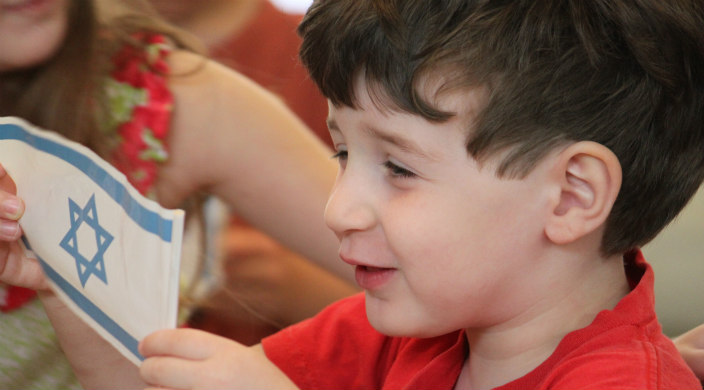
[340, 155]
[397, 171]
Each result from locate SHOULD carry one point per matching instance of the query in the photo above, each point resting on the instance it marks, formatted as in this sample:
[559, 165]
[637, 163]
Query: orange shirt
[266, 51]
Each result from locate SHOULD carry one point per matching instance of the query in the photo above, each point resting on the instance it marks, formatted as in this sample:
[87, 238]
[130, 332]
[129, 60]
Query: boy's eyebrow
[402, 143]
[332, 125]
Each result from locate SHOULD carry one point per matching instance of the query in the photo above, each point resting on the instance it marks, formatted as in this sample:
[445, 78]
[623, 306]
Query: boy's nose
[349, 206]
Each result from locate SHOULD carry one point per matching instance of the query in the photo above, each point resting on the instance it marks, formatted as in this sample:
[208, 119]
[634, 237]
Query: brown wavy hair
[65, 93]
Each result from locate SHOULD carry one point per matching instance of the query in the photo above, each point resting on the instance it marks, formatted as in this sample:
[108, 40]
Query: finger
[169, 372]
[19, 270]
[190, 344]
[10, 230]
[32, 275]
[11, 207]
[6, 182]
[11, 210]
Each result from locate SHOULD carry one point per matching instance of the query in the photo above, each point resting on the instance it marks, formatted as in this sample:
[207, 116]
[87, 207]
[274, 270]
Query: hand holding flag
[109, 253]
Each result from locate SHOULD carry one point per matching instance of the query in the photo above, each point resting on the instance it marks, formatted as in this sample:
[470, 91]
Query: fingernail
[9, 230]
[11, 208]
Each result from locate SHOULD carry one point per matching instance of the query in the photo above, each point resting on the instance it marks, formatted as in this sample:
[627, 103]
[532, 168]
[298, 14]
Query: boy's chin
[390, 323]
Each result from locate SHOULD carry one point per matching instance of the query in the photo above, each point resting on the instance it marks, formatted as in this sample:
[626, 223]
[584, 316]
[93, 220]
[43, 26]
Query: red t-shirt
[622, 348]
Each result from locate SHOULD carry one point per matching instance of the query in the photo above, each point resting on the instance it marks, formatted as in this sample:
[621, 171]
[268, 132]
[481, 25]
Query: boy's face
[438, 244]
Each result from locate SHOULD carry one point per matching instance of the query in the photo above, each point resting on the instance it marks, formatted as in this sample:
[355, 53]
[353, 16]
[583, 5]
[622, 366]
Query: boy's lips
[369, 277]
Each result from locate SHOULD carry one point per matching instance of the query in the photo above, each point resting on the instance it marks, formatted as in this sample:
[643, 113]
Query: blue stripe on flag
[90, 308]
[147, 219]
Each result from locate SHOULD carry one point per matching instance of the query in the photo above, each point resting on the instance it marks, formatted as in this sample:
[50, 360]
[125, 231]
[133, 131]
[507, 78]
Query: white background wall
[295, 6]
[677, 255]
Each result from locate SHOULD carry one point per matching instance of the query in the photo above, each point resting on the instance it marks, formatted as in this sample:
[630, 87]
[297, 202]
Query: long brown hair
[65, 93]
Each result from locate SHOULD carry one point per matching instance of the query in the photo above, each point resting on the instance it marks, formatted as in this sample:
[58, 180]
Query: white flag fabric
[111, 254]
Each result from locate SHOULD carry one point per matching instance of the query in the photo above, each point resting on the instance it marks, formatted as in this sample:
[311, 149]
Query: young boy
[500, 164]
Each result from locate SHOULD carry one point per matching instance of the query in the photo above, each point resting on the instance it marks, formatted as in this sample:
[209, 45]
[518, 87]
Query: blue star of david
[89, 215]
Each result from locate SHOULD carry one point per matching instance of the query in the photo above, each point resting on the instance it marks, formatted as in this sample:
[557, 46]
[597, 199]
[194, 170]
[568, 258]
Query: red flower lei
[141, 126]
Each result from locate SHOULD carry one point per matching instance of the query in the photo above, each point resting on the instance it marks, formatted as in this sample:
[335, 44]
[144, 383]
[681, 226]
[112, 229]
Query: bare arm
[278, 286]
[239, 142]
[235, 140]
[79, 339]
[230, 138]
[96, 363]
[691, 347]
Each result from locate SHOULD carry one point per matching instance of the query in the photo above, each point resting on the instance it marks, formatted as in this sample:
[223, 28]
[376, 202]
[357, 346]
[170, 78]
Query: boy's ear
[587, 177]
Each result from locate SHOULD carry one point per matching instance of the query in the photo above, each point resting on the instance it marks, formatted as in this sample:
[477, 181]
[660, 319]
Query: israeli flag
[111, 254]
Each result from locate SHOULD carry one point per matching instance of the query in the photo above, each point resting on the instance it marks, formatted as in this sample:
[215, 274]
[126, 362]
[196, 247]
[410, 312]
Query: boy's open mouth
[369, 277]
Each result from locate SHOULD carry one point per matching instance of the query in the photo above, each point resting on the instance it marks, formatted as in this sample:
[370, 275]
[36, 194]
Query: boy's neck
[512, 349]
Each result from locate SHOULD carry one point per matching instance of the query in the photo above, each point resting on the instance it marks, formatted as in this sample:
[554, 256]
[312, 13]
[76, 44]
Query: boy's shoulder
[634, 358]
[621, 348]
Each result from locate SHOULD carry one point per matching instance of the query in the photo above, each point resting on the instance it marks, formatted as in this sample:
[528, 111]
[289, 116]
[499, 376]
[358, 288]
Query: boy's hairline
[383, 100]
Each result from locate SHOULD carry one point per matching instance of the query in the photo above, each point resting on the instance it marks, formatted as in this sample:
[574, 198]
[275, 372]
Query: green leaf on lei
[123, 98]
[155, 147]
